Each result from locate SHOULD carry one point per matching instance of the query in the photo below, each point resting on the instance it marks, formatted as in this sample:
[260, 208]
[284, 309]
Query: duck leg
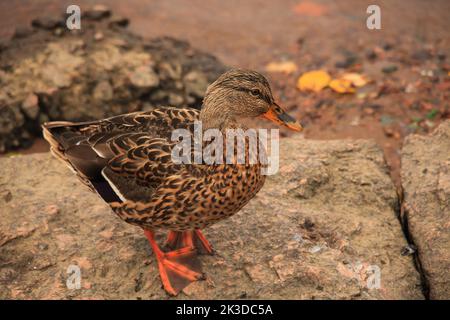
[177, 268]
[202, 243]
[196, 239]
[174, 240]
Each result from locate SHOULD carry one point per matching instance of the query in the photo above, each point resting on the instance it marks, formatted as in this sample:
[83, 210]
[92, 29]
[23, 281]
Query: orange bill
[280, 117]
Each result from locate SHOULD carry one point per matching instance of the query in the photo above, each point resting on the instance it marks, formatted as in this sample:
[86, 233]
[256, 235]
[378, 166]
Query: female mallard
[128, 161]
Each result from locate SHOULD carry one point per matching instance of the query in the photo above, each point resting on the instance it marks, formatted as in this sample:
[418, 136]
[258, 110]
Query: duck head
[239, 94]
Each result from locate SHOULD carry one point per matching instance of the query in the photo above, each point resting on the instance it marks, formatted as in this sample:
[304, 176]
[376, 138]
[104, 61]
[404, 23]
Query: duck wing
[124, 157]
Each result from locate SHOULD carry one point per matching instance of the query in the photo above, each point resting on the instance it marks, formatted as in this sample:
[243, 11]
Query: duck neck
[215, 115]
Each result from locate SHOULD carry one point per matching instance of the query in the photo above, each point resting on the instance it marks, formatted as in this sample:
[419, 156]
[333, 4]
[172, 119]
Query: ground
[413, 41]
[324, 227]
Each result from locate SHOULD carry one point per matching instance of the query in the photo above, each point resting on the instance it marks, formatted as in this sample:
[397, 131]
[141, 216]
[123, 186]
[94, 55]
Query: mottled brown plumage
[127, 159]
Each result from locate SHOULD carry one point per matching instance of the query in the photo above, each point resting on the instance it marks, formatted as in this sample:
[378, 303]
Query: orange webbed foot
[177, 268]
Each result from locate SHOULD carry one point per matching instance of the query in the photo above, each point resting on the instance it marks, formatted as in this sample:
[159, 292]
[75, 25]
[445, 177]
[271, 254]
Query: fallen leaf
[444, 86]
[390, 69]
[310, 9]
[341, 86]
[362, 95]
[287, 67]
[426, 105]
[356, 79]
[432, 114]
[313, 80]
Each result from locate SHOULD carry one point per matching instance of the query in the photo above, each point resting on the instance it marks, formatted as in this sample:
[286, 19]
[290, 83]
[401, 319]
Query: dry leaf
[313, 81]
[356, 79]
[341, 86]
[310, 9]
[287, 67]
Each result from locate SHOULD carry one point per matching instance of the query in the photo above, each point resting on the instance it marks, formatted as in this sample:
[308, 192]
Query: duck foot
[196, 239]
[177, 268]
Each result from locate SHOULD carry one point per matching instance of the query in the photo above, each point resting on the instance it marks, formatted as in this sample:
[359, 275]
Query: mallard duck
[127, 161]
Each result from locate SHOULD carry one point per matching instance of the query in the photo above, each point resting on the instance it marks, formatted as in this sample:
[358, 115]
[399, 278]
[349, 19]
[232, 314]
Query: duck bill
[280, 117]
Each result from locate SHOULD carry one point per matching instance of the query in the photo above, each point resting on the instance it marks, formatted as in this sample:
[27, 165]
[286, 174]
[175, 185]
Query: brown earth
[322, 228]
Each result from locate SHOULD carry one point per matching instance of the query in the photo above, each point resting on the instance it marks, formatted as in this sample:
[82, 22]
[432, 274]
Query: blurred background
[401, 71]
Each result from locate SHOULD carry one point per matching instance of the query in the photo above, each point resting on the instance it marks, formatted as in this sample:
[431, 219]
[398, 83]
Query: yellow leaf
[313, 81]
[341, 86]
[284, 66]
[356, 79]
[310, 9]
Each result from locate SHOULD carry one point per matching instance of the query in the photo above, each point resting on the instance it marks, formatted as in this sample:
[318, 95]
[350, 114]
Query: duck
[128, 161]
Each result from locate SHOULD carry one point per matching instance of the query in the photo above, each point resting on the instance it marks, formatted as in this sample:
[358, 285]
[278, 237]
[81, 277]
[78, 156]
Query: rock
[7, 195]
[441, 55]
[118, 21]
[196, 83]
[175, 99]
[144, 77]
[425, 177]
[30, 106]
[99, 36]
[389, 69]
[3, 46]
[97, 12]
[340, 239]
[421, 55]
[47, 23]
[349, 60]
[387, 46]
[103, 91]
[73, 74]
[371, 54]
[11, 127]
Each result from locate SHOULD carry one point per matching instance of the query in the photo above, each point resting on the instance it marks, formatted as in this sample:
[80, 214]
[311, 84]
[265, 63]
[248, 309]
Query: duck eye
[255, 92]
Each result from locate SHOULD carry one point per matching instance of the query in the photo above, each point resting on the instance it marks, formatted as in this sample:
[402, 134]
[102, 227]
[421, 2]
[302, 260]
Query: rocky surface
[324, 227]
[48, 72]
[426, 207]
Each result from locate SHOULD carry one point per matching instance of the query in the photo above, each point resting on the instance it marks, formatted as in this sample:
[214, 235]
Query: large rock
[426, 206]
[53, 73]
[324, 227]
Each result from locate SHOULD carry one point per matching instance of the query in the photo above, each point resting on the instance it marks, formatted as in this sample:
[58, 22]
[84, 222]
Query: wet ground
[406, 61]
